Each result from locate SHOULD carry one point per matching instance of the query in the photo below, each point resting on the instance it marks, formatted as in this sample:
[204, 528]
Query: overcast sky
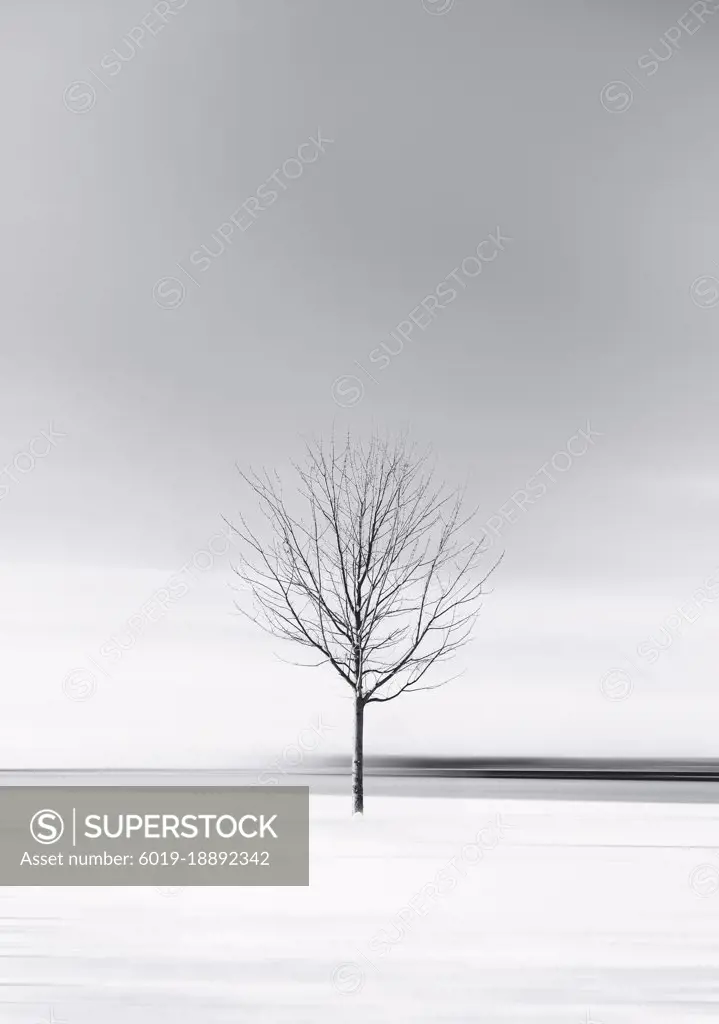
[133, 135]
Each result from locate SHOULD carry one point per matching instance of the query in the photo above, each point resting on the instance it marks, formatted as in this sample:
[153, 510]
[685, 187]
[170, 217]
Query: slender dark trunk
[358, 759]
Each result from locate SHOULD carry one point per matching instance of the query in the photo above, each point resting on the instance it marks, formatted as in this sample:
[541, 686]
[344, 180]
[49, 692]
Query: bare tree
[369, 571]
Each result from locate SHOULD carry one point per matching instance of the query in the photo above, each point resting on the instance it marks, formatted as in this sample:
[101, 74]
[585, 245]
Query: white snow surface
[575, 911]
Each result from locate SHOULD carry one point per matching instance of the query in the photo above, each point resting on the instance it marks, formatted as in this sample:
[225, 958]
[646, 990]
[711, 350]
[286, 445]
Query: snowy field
[501, 909]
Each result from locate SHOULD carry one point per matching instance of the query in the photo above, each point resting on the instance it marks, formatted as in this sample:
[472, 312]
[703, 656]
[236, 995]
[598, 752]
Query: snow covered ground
[429, 909]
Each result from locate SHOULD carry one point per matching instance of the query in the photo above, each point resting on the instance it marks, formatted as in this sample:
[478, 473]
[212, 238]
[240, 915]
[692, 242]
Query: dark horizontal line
[618, 775]
[527, 768]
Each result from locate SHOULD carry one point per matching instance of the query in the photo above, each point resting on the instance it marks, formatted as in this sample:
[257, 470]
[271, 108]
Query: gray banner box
[249, 835]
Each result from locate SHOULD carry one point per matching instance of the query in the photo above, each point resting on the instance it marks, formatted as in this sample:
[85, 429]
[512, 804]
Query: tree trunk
[358, 760]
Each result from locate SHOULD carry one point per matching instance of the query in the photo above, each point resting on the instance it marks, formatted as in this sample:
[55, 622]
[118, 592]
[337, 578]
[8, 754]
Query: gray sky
[444, 127]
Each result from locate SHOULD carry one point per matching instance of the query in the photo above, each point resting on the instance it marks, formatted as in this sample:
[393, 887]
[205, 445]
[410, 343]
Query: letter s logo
[347, 390]
[46, 827]
[79, 97]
